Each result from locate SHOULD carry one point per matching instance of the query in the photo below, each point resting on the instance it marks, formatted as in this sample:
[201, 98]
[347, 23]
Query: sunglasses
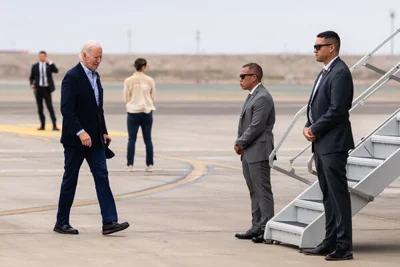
[242, 76]
[318, 46]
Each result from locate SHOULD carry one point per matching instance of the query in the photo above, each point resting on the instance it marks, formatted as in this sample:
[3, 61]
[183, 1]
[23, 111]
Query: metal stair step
[398, 117]
[384, 139]
[369, 162]
[309, 204]
[351, 183]
[307, 210]
[288, 226]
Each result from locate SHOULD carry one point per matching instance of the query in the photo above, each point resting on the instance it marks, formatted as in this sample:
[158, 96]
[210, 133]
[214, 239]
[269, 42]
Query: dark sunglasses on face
[318, 46]
[242, 76]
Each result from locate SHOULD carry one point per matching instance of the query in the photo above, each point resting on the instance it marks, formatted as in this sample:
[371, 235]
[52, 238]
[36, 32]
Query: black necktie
[43, 75]
[317, 84]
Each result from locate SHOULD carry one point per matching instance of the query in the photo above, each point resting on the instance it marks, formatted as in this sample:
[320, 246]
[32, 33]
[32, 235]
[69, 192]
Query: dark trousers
[43, 93]
[332, 179]
[258, 180]
[145, 121]
[95, 157]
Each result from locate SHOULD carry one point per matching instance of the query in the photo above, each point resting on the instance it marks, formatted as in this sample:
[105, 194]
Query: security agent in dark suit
[41, 81]
[255, 143]
[328, 128]
[84, 136]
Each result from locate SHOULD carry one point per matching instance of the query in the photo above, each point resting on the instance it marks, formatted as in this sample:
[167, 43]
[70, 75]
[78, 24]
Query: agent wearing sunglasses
[255, 143]
[328, 128]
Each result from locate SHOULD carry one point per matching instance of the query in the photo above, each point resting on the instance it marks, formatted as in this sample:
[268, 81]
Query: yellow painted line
[27, 131]
[198, 171]
[222, 165]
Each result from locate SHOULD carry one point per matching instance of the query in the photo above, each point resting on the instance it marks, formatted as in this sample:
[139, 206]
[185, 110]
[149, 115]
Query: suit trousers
[258, 180]
[331, 169]
[43, 93]
[96, 159]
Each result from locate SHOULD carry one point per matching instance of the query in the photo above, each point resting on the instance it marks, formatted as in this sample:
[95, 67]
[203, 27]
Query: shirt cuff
[81, 131]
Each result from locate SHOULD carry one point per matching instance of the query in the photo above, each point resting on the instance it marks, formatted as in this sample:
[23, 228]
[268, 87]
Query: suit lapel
[88, 84]
[250, 100]
[322, 82]
[100, 91]
[312, 91]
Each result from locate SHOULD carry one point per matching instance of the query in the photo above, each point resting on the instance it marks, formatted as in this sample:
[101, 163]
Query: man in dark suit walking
[255, 143]
[41, 80]
[328, 128]
[84, 136]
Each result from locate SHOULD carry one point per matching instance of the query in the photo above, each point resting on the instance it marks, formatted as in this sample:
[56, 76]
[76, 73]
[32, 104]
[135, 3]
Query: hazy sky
[169, 26]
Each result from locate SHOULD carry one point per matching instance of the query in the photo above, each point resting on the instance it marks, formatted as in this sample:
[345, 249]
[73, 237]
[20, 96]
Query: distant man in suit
[255, 143]
[41, 80]
[328, 128]
[84, 136]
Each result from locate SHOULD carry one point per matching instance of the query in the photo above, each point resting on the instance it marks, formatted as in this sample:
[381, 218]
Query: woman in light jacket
[139, 93]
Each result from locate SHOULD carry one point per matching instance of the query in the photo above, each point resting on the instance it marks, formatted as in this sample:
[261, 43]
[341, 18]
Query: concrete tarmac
[185, 212]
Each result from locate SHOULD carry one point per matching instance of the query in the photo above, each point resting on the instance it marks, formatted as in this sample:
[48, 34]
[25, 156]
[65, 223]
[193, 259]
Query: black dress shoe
[41, 129]
[260, 239]
[321, 250]
[56, 129]
[248, 235]
[114, 227]
[65, 229]
[340, 255]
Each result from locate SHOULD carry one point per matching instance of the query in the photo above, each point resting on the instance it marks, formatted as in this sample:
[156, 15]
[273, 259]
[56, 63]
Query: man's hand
[238, 150]
[107, 139]
[33, 87]
[308, 134]
[85, 139]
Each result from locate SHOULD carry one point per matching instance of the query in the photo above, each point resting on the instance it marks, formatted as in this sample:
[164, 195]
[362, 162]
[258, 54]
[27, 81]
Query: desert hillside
[175, 69]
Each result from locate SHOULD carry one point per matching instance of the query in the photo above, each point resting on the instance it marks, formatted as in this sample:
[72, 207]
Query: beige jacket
[139, 93]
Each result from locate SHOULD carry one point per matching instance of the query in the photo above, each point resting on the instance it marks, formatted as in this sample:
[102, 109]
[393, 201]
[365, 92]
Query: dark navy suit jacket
[35, 75]
[330, 110]
[80, 110]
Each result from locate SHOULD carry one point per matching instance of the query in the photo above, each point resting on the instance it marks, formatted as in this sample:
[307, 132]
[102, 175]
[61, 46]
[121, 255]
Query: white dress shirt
[255, 87]
[43, 74]
[326, 68]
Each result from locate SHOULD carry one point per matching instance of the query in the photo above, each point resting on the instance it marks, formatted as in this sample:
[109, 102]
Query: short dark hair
[257, 70]
[140, 63]
[43, 52]
[333, 36]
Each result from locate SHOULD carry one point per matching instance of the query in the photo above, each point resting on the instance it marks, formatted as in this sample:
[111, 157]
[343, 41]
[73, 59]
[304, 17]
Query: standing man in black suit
[41, 80]
[328, 128]
[84, 136]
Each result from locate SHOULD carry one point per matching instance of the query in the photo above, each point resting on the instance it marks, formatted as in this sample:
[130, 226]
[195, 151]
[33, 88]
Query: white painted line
[188, 149]
[30, 150]
[12, 159]
[60, 170]
[153, 170]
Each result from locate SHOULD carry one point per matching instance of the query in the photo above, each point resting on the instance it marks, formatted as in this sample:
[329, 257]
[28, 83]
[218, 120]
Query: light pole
[392, 17]
[198, 42]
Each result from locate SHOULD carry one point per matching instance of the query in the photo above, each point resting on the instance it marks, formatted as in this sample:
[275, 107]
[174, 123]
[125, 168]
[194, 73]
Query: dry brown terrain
[182, 69]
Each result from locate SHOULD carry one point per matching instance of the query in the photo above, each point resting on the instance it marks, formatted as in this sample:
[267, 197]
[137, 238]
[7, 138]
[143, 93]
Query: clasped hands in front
[238, 150]
[308, 134]
[87, 141]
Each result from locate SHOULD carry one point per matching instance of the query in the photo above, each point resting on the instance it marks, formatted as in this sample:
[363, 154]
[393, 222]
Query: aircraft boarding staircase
[371, 167]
